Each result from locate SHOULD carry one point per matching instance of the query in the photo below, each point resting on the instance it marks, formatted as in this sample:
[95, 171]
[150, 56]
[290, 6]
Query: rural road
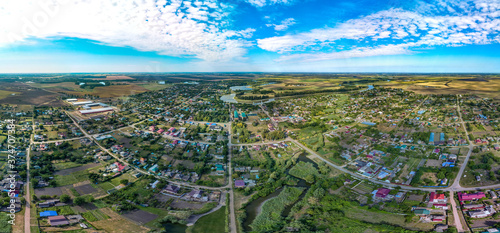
[456, 216]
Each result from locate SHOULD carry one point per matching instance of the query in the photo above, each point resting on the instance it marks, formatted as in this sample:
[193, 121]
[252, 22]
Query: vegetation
[270, 219]
[305, 170]
[214, 222]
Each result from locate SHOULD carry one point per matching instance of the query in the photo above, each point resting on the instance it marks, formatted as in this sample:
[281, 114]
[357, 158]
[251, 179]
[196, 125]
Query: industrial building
[82, 102]
[90, 111]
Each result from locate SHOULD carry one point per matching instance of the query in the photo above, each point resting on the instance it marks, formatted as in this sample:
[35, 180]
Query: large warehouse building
[82, 103]
[90, 111]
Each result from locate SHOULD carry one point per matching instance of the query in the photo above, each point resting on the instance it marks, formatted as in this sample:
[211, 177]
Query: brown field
[483, 87]
[118, 90]
[28, 95]
[103, 92]
[117, 223]
[115, 78]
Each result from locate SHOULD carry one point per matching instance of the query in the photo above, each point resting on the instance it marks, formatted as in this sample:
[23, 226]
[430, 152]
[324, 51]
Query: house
[49, 203]
[219, 169]
[239, 183]
[154, 168]
[195, 194]
[215, 127]
[172, 189]
[437, 198]
[440, 206]
[470, 196]
[493, 195]
[382, 192]
[118, 167]
[58, 221]
[154, 184]
[441, 228]
[478, 214]
[438, 218]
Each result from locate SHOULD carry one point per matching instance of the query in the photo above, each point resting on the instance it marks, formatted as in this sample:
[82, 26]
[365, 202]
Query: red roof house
[470, 196]
[382, 192]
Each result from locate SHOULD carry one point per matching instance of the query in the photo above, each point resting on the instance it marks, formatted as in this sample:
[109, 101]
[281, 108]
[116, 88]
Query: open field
[140, 216]
[27, 95]
[117, 223]
[213, 222]
[383, 217]
[115, 77]
[103, 91]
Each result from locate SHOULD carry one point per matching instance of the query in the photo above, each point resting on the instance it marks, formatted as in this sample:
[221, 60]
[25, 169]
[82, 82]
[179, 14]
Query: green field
[384, 217]
[5, 94]
[65, 165]
[305, 170]
[214, 222]
[94, 215]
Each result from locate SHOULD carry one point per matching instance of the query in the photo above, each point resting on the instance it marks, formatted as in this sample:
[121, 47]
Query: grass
[270, 217]
[4, 227]
[75, 177]
[5, 94]
[384, 217]
[94, 215]
[304, 170]
[154, 86]
[106, 186]
[65, 165]
[214, 222]
[207, 207]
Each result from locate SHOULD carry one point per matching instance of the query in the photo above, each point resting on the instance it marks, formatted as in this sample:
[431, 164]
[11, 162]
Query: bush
[64, 198]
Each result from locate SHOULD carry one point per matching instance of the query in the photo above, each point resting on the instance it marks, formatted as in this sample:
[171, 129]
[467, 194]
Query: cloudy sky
[249, 35]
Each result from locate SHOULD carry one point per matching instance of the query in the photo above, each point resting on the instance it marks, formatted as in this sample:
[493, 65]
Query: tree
[64, 198]
[79, 201]
[124, 181]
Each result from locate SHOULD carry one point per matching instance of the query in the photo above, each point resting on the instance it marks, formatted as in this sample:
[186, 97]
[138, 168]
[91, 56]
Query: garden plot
[85, 189]
[363, 188]
[140, 216]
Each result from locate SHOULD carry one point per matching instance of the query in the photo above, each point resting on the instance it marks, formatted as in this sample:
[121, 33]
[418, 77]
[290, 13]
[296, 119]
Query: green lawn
[106, 186]
[65, 165]
[214, 222]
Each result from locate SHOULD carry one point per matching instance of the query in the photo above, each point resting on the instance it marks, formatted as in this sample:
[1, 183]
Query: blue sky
[250, 35]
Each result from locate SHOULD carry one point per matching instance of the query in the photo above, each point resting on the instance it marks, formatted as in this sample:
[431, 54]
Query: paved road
[456, 183]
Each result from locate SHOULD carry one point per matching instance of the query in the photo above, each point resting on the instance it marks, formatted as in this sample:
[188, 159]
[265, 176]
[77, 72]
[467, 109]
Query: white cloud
[283, 25]
[397, 31]
[262, 3]
[173, 27]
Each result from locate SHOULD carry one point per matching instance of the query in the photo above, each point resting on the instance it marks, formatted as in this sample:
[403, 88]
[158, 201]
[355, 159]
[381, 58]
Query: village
[173, 156]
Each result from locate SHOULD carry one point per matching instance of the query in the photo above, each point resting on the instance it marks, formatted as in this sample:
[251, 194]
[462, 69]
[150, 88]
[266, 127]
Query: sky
[64, 36]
